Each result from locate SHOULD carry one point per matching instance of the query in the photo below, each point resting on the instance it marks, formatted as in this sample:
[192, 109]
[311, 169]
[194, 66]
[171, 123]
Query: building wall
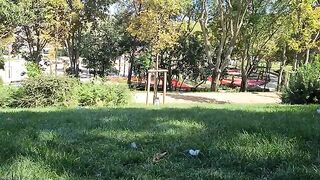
[122, 65]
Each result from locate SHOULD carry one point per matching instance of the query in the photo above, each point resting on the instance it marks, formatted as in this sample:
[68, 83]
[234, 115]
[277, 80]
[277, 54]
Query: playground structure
[261, 79]
[155, 88]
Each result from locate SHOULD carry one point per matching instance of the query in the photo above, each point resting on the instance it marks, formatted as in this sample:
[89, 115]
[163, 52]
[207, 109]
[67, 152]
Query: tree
[9, 20]
[38, 24]
[187, 58]
[156, 24]
[81, 13]
[129, 44]
[305, 22]
[100, 46]
[9, 15]
[229, 17]
[259, 35]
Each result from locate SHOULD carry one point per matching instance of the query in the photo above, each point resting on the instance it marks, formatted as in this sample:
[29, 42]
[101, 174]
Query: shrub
[33, 69]
[304, 85]
[105, 94]
[7, 95]
[2, 61]
[1, 82]
[41, 91]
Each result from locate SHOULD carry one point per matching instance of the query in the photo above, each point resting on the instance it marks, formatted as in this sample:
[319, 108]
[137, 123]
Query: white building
[122, 65]
[14, 70]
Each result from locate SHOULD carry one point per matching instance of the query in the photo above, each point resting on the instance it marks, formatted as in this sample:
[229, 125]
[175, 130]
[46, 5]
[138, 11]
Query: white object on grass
[157, 102]
[318, 110]
[134, 145]
[194, 152]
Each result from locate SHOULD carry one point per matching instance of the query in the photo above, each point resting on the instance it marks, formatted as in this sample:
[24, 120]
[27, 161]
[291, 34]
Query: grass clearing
[242, 142]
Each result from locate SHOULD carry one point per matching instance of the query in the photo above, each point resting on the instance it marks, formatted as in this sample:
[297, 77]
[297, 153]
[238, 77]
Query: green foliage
[100, 46]
[42, 21]
[103, 94]
[1, 61]
[155, 25]
[9, 16]
[143, 63]
[191, 61]
[7, 95]
[304, 86]
[33, 69]
[41, 91]
[304, 24]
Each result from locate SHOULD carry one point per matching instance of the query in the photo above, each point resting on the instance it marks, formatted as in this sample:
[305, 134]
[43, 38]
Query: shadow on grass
[197, 99]
[235, 142]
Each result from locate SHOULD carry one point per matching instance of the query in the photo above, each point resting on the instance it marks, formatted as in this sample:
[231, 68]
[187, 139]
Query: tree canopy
[198, 40]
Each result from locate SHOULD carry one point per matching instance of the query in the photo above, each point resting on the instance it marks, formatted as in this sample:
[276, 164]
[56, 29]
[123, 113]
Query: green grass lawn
[236, 142]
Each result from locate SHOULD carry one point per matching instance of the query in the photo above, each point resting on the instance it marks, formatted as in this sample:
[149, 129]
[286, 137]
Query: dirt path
[218, 98]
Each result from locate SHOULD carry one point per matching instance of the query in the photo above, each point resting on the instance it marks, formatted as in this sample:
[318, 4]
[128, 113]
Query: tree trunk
[215, 81]
[307, 56]
[77, 56]
[73, 51]
[244, 82]
[244, 75]
[119, 73]
[283, 63]
[131, 64]
[102, 70]
[130, 69]
[267, 78]
[124, 67]
[169, 78]
[295, 66]
[245, 68]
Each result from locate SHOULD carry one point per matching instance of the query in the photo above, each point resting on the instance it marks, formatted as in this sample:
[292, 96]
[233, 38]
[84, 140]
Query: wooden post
[148, 88]
[155, 86]
[164, 87]
[154, 71]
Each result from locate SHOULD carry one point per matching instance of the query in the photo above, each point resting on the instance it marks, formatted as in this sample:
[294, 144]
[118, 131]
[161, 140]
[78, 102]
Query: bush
[304, 86]
[1, 82]
[102, 94]
[33, 69]
[7, 95]
[2, 63]
[41, 91]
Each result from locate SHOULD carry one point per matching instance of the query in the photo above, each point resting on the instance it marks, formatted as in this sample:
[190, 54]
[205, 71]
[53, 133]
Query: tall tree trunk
[102, 73]
[307, 56]
[295, 65]
[73, 51]
[119, 73]
[283, 64]
[215, 80]
[124, 67]
[244, 76]
[130, 69]
[245, 67]
[131, 65]
[77, 54]
[244, 82]
[267, 77]
[169, 78]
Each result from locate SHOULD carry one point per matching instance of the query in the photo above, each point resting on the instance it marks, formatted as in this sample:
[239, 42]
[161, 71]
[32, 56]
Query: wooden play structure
[155, 86]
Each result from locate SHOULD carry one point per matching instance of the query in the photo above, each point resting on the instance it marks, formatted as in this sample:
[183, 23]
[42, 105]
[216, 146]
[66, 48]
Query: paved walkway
[218, 98]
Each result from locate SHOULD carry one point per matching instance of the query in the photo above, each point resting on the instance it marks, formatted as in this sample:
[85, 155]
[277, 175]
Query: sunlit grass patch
[235, 142]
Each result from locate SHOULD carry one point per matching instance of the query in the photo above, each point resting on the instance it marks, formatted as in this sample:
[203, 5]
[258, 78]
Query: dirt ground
[218, 98]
